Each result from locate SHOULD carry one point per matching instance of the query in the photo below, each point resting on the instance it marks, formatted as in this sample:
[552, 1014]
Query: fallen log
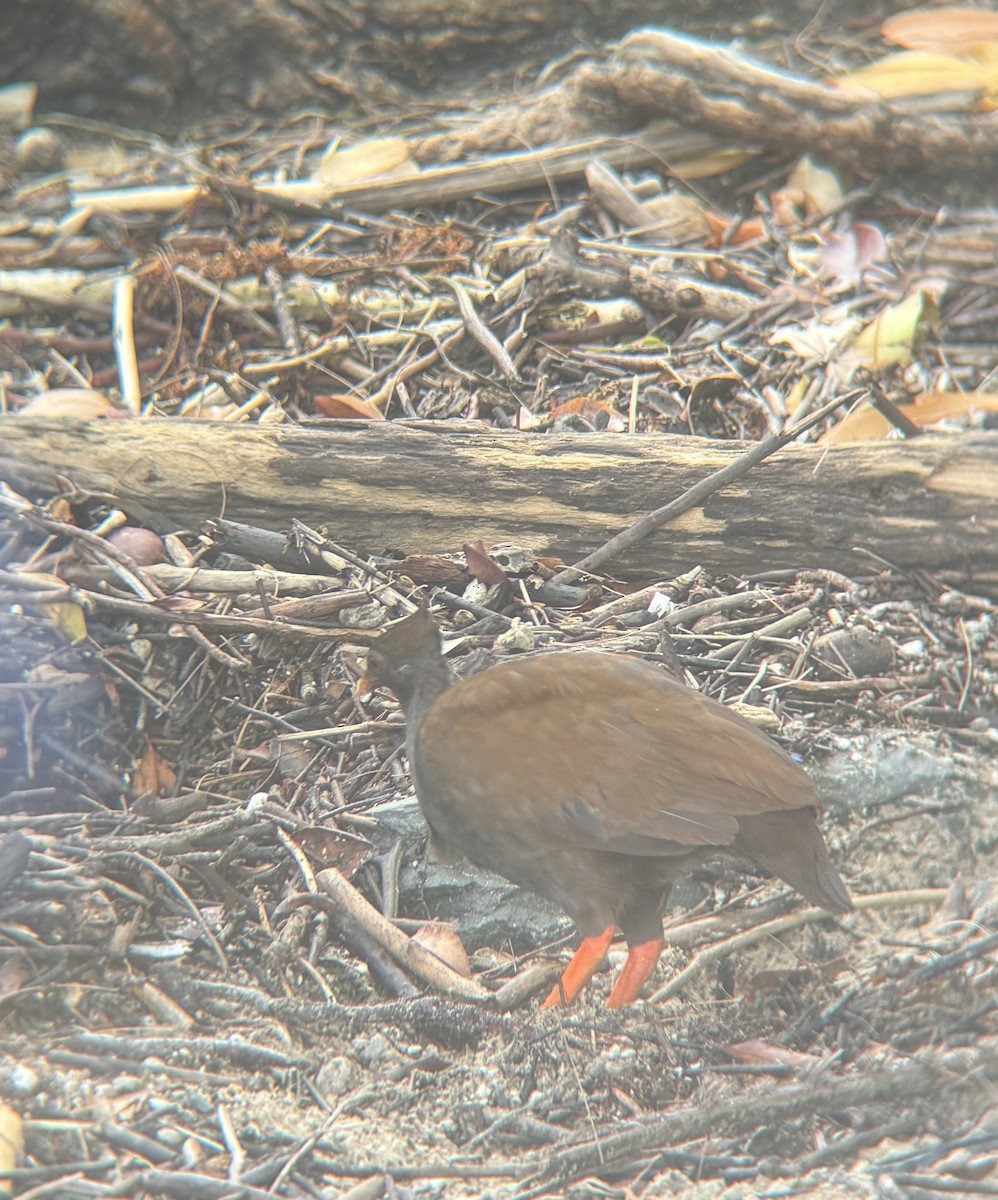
[930, 503]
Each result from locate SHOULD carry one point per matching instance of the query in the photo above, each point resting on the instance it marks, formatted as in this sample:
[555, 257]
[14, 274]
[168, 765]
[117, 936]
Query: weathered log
[149, 60]
[929, 503]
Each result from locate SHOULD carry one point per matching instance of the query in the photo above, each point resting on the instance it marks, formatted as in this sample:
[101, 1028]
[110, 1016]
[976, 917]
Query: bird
[596, 780]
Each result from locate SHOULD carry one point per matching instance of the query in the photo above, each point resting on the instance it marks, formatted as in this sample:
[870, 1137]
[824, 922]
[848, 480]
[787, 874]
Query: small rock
[336, 1076]
[859, 651]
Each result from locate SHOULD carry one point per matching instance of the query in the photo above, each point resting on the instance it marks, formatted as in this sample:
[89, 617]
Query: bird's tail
[791, 845]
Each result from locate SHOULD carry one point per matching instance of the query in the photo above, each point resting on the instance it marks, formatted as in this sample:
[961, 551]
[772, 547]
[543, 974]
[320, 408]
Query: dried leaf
[153, 775]
[753, 230]
[11, 1146]
[921, 73]
[890, 339]
[82, 403]
[17, 103]
[378, 157]
[328, 847]
[344, 407]
[957, 31]
[679, 219]
[181, 604]
[67, 617]
[14, 974]
[813, 190]
[443, 942]
[716, 162]
[482, 567]
[755, 1050]
[844, 256]
[819, 339]
[866, 424]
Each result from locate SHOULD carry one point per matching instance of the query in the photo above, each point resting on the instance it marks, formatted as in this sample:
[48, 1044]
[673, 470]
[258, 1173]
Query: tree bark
[930, 503]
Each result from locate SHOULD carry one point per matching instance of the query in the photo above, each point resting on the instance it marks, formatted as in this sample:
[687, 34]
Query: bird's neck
[428, 683]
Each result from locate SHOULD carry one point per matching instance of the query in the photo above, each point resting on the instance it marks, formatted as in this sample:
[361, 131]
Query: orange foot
[584, 965]
[641, 961]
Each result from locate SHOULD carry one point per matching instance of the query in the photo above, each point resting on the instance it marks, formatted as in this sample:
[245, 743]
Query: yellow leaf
[818, 188]
[66, 616]
[956, 31]
[889, 339]
[11, 1146]
[380, 156]
[70, 620]
[716, 162]
[920, 73]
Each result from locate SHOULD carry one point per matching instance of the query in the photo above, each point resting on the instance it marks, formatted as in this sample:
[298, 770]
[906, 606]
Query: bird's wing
[605, 753]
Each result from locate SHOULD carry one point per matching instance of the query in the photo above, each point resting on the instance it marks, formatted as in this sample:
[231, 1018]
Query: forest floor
[186, 763]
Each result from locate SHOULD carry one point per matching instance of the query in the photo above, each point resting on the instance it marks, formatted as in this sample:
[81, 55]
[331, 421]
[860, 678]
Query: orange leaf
[948, 30]
[866, 424]
[344, 407]
[588, 409]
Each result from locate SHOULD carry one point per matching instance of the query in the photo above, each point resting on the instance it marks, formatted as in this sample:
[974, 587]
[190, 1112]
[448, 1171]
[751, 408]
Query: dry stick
[123, 566]
[773, 1107]
[410, 954]
[481, 332]
[804, 916]
[695, 495]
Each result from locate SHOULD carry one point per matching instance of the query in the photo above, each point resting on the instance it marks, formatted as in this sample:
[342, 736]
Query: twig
[424, 965]
[124, 343]
[695, 495]
[803, 916]
[773, 1107]
[481, 332]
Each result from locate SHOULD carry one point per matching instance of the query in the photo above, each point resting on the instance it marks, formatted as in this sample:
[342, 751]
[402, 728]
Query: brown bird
[595, 780]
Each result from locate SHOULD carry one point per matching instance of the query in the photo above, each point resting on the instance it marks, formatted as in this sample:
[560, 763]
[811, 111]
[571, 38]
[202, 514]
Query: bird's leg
[584, 965]
[641, 961]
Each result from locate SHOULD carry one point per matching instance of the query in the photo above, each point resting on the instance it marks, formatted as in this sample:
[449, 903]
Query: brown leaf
[481, 567]
[327, 847]
[154, 775]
